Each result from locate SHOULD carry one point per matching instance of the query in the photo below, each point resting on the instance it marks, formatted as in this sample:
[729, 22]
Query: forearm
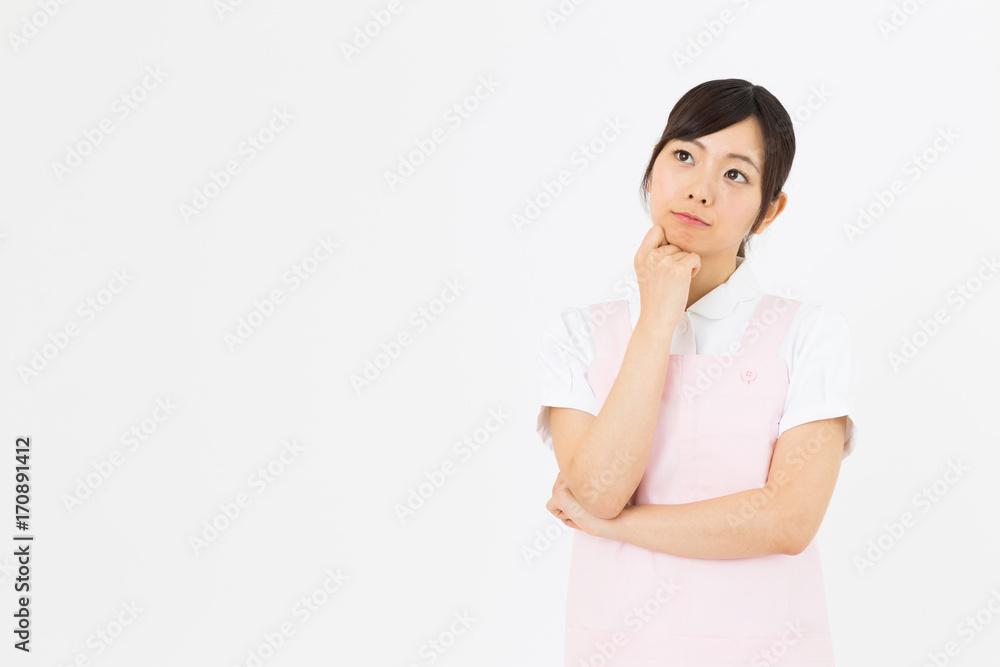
[610, 460]
[731, 526]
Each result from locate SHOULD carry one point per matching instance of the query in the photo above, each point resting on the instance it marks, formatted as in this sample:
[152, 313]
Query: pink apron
[629, 606]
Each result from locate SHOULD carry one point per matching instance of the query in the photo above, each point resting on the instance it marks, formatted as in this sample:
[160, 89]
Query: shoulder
[820, 311]
[818, 324]
[579, 319]
[565, 320]
[566, 331]
[570, 330]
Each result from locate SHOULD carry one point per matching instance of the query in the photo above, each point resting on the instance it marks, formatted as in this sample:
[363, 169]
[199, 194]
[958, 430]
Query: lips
[690, 219]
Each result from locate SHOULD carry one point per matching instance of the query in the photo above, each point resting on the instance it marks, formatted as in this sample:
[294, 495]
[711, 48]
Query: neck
[715, 270]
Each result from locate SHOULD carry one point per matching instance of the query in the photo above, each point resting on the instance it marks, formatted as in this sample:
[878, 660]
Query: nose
[700, 187]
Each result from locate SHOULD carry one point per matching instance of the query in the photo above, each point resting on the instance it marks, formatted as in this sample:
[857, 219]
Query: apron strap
[612, 328]
[767, 327]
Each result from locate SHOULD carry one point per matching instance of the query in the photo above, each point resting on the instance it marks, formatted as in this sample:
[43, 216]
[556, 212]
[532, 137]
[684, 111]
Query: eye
[746, 179]
[681, 150]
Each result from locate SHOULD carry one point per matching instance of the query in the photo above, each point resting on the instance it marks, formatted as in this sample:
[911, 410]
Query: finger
[692, 257]
[692, 261]
[653, 239]
[662, 257]
[668, 251]
[647, 258]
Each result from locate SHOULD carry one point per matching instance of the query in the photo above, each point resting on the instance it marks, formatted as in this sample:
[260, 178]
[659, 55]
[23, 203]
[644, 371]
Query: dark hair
[715, 105]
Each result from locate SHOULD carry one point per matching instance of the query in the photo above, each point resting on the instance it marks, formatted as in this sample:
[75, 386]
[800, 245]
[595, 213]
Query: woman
[699, 428]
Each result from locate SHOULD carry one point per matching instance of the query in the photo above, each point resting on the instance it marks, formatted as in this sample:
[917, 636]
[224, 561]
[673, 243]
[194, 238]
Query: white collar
[741, 286]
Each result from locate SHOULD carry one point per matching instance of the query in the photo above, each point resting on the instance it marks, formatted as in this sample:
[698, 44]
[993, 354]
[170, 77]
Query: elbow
[795, 534]
[600, 502]
[793, 547]
[607, 505]
[609, 510]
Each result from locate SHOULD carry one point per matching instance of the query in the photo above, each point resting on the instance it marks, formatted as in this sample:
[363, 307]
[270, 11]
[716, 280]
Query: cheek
[735, 213]
[665, 187]
[740, 205]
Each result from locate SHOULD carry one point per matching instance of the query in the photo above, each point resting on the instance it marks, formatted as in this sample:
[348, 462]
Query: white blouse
[822, 370]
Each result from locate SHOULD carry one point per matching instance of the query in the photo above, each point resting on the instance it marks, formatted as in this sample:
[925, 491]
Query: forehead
[744, 136]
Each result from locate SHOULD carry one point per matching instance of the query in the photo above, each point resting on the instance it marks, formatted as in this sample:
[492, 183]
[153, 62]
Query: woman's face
[716, 178]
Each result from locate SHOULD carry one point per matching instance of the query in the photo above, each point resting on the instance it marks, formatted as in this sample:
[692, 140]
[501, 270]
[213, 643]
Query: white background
[333, 507]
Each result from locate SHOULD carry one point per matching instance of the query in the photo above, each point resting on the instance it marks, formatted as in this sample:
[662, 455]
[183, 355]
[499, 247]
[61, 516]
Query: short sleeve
[823, 372]
[564, 355]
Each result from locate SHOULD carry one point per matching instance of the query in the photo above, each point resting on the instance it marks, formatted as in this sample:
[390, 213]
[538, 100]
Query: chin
[682, 236]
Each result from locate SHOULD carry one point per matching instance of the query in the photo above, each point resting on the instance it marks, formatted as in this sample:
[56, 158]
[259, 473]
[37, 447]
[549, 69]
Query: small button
[683, 326]
[749, 374]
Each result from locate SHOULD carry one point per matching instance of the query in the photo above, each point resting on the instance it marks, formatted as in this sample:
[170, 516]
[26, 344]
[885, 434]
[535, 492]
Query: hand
[553, 506]
[664, 272]
[565, 507]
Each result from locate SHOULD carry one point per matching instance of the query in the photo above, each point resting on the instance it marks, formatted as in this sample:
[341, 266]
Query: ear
[776, 207]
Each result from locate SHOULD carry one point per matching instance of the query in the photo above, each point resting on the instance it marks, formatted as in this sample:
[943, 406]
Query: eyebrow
[731, 155]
